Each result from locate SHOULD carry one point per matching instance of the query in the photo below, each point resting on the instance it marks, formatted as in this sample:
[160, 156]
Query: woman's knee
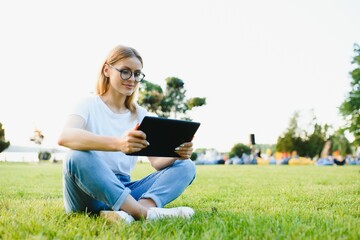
[188, 169]
[79, 159]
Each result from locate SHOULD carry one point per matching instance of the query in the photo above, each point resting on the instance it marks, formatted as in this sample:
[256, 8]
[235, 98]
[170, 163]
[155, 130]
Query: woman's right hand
[133, 141]
[75, 137]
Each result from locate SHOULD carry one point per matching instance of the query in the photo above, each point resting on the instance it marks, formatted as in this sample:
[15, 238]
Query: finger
[187, 144]
[132, 150]
[184, 156]
[139, 141]
[137, 134]
[140, 145]
[135, 147]
[184, 153]
[184, 149]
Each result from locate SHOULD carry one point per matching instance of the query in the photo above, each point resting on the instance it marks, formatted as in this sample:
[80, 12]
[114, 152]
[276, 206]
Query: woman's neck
[115, 103]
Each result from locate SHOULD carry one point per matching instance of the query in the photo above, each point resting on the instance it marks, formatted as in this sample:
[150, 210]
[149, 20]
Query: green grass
[231, 202]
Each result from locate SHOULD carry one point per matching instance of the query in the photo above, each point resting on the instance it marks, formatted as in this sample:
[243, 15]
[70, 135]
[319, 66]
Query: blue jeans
[89, 185]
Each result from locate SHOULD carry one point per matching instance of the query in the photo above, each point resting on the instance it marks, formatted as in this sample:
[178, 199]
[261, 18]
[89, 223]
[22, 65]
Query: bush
[4, 145]
[239, 149]
[44, 155]
[194, 156]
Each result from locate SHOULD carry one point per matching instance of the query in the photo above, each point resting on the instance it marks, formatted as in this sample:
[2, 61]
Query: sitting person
[338, 159]
[246, 158]
[325, 161]
[325, 157]
[99, 132]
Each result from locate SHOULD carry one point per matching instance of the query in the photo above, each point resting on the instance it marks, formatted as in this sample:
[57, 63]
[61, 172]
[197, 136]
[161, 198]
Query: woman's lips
[129, 86]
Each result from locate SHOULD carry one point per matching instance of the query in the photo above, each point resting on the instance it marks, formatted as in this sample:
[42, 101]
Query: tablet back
[164, 135]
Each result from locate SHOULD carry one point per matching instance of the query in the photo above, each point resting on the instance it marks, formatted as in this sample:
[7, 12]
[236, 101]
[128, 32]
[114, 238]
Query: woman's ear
[106, 70]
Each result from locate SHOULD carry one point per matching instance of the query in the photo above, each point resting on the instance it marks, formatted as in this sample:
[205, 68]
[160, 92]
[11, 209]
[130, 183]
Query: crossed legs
[90, 185]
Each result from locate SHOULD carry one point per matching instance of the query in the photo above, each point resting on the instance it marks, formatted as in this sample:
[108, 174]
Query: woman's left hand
[185, 150]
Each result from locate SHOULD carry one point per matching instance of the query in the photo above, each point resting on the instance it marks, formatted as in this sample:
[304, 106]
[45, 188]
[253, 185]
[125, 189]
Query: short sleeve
[142, 112]
[82, 109]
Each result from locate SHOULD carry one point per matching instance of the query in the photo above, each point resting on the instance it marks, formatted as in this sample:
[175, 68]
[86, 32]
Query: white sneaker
[114, 216]
[158, 213]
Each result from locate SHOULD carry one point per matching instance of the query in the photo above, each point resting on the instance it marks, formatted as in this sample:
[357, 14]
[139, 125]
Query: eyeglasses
[126, 74]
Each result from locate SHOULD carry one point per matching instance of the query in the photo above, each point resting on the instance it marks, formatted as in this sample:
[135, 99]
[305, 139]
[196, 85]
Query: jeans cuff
[154, 198]
[121, 199]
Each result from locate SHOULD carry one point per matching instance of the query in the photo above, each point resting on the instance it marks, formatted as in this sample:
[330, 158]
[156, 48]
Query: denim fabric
[91, 186]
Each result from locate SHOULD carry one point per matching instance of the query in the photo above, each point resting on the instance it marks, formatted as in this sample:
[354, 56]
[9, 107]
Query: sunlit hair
[116, 54]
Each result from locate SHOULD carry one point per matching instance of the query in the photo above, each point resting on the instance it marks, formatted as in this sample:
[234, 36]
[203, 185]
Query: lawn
[231, 202]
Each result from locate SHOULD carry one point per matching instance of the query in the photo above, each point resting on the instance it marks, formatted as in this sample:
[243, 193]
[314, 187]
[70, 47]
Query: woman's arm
[184, 151]
[74, 136]
[161, 162]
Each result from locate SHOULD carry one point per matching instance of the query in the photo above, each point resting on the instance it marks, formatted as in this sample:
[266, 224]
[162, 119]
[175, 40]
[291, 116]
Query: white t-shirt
[99, 119]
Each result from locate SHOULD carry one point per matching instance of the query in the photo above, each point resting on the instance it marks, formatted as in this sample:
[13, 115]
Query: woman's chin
[129, 93]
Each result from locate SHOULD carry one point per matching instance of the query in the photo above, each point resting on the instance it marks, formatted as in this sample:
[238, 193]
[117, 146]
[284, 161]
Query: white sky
[256, 62]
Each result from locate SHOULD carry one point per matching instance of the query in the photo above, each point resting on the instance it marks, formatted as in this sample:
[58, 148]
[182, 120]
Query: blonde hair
[116, 54]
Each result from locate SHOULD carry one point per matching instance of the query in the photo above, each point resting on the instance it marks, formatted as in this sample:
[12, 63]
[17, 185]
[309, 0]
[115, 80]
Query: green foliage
[350, 108]
[316, 141]
[2, 132]
[276, 202]
[174, 100]
[44, 155]
[195, 102]
[3, 144]
[238, 150]
[150, 96]
[169, 103]
[309, 144]
[194, 156]
[289, 141]
[264, 147]
[340, 142]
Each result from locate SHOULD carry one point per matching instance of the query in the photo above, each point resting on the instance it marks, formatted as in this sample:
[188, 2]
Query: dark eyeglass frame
[137, 79]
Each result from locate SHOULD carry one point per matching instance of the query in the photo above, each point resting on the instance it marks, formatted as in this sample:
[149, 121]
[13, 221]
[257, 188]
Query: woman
[100, 131]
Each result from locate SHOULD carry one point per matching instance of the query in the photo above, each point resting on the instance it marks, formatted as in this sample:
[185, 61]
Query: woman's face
[117, 84]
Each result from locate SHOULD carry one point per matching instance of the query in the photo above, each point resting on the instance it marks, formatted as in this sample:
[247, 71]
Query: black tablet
[164, 135]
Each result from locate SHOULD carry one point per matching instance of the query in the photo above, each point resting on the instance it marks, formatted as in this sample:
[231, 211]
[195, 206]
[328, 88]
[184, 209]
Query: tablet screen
[164, 135]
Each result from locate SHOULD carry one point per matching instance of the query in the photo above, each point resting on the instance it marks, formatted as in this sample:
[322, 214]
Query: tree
[194, 156]
[340, 143]
[174, 100]
[151, 96]
[239, 149]
[38, 137]
[3, 143]
[169, 103]
[2, 133]
[290, 139]
[305, 144]
[316, 140]
[350, 108]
